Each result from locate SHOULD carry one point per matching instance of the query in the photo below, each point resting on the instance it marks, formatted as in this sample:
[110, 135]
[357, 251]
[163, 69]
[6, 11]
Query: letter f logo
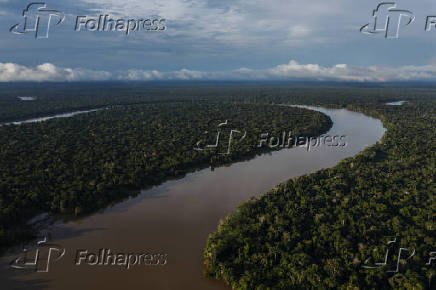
[387, 19]
[37, 19]
[43, 255]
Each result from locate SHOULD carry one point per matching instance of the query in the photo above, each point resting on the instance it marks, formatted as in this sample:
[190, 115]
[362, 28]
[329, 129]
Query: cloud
[221, 35]
[236, 22]
[10, 72]
[344, 72]
[138, 75]
[298, 31]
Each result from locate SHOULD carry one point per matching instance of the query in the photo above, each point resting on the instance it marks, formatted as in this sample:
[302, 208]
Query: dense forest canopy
[78, 165]
[328, 230]
[318, 231]
[53, 98]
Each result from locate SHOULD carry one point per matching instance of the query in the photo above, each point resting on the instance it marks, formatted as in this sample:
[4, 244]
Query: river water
[397, 103]
[42, 119]
[176, 217]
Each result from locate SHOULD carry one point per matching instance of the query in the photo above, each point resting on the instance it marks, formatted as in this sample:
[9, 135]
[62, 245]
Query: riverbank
[321, 230]
[177, 216]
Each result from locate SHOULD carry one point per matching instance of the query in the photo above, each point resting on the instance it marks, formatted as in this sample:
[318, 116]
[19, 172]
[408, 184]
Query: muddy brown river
[176, 217]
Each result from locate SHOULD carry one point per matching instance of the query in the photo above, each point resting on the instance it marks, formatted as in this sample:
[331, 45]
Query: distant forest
[312, 232]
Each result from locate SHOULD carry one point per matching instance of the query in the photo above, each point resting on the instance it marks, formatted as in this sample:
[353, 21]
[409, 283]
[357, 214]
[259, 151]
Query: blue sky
[239, 39]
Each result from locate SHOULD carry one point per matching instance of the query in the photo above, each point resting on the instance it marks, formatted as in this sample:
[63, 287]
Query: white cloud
[10, 72]
[257, 24]
[137, 75]
[340, 72]
[236, 22]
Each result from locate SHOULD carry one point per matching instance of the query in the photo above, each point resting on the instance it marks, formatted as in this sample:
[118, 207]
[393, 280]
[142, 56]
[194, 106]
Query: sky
[221, 40]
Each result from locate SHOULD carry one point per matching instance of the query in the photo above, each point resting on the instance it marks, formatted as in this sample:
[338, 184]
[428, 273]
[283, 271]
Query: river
[176, 217]
[397, 103]
[42, 119]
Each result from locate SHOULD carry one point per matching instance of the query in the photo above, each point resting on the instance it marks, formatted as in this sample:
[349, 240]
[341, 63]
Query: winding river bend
[176, 217]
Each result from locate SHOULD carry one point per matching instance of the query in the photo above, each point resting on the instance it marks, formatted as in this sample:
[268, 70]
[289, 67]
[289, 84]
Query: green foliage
[313, 232]
[81, 164]
[316, 231]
